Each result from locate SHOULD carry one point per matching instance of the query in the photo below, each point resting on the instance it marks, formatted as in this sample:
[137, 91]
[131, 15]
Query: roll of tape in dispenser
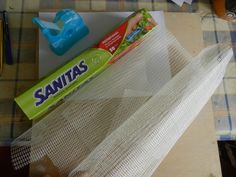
[66, 29]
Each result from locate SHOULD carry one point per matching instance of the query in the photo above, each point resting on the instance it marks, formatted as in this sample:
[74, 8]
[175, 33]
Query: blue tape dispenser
[67, 28]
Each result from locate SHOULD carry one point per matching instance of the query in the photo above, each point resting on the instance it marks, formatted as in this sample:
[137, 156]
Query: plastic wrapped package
[125, 121]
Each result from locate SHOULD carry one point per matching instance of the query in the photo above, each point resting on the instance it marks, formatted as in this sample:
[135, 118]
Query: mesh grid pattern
[125, 121]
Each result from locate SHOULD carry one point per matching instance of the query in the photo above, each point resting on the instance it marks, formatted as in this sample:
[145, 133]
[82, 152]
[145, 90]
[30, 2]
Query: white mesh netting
[125, 121]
